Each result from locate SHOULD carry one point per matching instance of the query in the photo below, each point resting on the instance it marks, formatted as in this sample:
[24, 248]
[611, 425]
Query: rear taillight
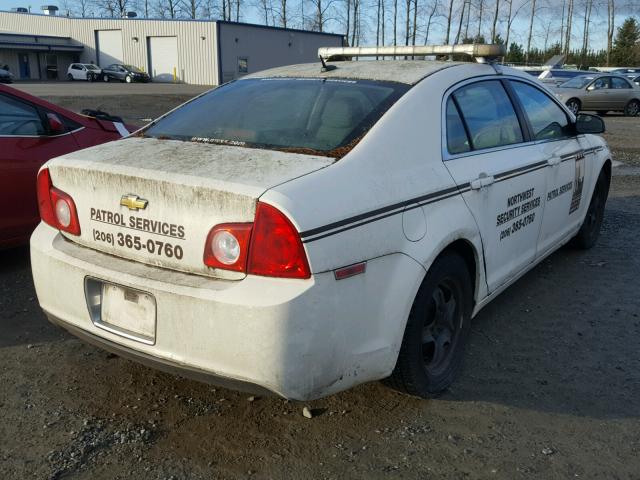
[276, 249]
[56, 207]
[271, 246]
[227, 246]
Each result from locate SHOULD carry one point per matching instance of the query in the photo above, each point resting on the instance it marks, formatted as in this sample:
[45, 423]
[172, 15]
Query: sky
[546, 26]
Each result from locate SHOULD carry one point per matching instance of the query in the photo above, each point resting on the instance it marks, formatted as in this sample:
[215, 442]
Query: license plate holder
[121, 310]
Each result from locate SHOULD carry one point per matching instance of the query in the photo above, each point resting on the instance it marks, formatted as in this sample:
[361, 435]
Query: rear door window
[457, 139]
[619, 83]
[489, 115]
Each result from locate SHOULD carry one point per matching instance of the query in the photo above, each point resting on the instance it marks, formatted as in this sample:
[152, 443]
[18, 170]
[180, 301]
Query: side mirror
[56, 126]
[586, 123]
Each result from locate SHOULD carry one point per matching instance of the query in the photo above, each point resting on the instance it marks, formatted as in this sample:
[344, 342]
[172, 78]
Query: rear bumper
[158, 363]
[301, 339]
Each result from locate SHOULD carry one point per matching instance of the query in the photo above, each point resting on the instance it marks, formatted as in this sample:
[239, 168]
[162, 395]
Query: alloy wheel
[442, 325]
[574, 106]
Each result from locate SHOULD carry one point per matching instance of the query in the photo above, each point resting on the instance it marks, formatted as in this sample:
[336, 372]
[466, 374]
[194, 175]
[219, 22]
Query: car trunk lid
[154, 201]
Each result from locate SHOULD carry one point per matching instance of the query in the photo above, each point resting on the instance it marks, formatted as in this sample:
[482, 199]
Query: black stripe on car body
[569, 156]
[520, 171]
[378, 211]
[384, 212]
[408, 205]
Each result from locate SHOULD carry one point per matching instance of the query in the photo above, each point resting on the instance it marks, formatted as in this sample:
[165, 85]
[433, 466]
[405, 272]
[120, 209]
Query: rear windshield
[317, 116]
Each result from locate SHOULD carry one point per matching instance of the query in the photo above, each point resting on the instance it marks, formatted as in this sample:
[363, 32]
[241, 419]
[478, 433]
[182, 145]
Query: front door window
[565, 163]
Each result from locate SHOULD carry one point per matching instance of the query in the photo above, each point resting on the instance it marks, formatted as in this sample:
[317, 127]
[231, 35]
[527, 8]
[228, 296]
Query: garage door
[163, 58]
[109, 44]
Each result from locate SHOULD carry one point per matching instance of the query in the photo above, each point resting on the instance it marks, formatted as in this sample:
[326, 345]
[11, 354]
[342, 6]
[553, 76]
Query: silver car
[602, 93]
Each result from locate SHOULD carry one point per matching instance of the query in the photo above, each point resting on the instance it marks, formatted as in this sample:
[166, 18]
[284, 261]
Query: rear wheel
[574, 105]
[437, 330]
[105, 78]
[589, 232]
[69, 77]
[632, 109]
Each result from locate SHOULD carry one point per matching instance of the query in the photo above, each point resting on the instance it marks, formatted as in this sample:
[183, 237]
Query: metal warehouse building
[41, 47]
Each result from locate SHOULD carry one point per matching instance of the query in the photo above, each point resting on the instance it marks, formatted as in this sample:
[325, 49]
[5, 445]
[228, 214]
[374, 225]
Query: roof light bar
[481, 52]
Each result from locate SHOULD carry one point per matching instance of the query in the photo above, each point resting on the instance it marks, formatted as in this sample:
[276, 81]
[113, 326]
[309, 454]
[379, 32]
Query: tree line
[532, 30]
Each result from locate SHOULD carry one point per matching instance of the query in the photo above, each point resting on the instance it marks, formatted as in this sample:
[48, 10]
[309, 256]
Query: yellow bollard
[174, 75]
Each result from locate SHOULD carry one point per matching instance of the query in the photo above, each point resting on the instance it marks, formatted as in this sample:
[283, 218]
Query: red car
[31, 132]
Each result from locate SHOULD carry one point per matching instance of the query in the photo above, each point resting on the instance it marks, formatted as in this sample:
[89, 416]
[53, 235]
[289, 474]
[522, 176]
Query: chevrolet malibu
[304, 230]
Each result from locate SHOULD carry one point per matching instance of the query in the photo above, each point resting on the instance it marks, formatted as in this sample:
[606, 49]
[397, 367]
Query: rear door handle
[553, 161]
[482, 181]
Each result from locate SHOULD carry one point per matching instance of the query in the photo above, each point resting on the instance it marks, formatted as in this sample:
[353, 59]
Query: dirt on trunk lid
[154, 201]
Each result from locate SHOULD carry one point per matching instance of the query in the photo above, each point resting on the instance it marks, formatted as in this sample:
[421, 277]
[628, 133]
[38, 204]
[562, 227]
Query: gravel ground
[550, 389]
[622, 135]
[134, 110]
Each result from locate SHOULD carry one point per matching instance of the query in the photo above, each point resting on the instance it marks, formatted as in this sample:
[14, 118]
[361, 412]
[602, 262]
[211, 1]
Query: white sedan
[305, 230]
[83, 71]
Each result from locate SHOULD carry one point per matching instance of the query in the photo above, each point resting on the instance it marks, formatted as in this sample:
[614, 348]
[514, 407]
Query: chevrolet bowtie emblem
[133, 202]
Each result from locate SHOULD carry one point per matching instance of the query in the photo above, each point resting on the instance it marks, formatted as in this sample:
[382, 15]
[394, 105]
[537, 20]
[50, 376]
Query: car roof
[409, 72]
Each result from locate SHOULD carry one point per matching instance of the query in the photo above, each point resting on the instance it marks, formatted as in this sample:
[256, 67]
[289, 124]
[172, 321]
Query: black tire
[589, 232]
[106, 78]
[90, 77]
[602, 113]
[632, 109]
[437, 330]
[574, 105]
[128, 79]
[69, 77]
